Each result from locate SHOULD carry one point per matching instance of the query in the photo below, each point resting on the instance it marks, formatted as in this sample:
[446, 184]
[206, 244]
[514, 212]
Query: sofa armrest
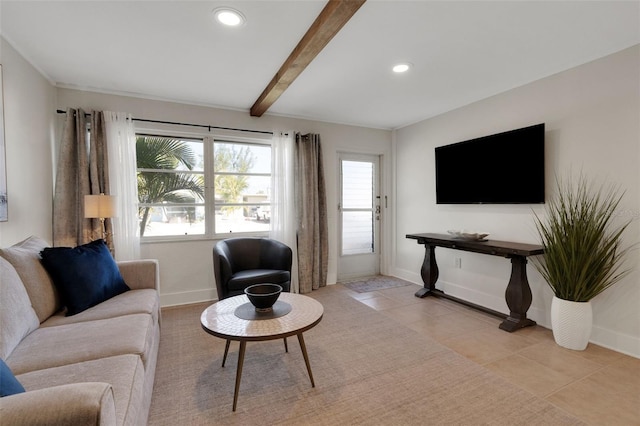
[83, 404]
[139, 274]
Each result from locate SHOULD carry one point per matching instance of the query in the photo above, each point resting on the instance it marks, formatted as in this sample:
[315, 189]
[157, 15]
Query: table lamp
[99, 207]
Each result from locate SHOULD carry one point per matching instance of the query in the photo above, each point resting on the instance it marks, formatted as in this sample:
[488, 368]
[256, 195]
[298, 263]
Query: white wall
[592, 116]
[186, 268]
[29, 100]
[593, 122]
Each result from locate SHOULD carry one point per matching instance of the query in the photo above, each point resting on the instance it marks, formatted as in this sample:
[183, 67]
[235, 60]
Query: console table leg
[518, 296]
[429, 271]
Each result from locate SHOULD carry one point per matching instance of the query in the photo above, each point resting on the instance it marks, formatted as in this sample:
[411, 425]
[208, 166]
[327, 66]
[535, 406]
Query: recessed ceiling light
[228, 16]
[400, 68]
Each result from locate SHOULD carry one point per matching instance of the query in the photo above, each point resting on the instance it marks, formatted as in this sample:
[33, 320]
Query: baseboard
[187, 297]
[406, 275]
[610, 339]
[496, 303]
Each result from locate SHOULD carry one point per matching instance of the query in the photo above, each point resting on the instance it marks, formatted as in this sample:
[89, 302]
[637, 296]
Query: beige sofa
[93, 368]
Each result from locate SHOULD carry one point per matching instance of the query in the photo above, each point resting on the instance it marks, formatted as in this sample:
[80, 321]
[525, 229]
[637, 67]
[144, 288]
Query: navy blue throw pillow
[9, 385]
[85, 275]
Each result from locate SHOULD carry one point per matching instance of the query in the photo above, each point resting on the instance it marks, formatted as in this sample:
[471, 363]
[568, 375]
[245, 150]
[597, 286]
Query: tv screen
[505, 168]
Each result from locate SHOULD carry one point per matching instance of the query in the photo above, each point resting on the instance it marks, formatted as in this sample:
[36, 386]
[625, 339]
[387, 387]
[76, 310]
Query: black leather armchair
[244, 261]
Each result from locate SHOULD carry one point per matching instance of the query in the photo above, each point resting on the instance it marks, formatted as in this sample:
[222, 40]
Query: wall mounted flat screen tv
[504, 168]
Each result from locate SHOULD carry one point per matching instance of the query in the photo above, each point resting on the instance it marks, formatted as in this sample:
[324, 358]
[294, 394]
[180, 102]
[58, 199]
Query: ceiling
[461, 51]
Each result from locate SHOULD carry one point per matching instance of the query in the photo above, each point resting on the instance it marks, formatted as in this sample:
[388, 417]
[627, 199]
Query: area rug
[378, 282]
[368, 370]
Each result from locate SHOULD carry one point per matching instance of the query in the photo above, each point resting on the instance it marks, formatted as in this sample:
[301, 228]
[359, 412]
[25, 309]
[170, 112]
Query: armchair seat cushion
[243, 279]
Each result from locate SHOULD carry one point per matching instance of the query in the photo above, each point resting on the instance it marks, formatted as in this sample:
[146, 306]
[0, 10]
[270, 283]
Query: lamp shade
[99, 206]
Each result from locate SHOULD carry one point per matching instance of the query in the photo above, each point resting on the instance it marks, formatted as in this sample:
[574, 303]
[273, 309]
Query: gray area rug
[368, 370]
[378, 282]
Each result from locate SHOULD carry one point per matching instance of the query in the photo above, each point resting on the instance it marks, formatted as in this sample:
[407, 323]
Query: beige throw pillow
[17, 317]
[25, 258]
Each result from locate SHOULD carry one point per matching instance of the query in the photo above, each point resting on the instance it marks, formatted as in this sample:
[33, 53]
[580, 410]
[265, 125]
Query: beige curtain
[82, 169]
[311, 209]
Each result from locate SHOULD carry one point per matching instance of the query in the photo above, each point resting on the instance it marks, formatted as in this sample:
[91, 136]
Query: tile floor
[597, 385]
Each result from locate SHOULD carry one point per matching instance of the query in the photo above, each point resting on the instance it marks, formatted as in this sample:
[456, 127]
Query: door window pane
[357, 205]
[357, 232]
[357, 190]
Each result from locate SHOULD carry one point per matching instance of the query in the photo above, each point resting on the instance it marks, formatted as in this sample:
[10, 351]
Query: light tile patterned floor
[597, 385]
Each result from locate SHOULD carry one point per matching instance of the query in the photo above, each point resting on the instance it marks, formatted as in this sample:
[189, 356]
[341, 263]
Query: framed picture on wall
[4, 207]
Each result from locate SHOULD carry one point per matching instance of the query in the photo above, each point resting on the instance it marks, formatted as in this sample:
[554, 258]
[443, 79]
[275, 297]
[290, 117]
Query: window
[242, 186]
[191, 187]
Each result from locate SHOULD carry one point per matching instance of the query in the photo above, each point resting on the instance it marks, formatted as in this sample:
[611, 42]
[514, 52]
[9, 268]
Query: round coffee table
[221, 320]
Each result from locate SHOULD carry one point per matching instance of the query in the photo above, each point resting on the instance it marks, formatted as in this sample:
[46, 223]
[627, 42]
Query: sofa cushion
[9, 385]
[49, 347]
[85, 275]
[25, 257]
[17, 317]
[125, 373]
[144, 301]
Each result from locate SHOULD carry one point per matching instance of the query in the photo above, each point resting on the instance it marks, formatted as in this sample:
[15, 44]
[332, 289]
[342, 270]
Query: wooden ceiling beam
[333, 17]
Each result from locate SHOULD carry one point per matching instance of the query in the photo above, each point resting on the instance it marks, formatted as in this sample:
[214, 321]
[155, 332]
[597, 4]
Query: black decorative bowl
[263, 296]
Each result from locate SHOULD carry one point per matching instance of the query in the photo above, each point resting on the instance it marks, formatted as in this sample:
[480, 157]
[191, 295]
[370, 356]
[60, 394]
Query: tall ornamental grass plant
[583, 253]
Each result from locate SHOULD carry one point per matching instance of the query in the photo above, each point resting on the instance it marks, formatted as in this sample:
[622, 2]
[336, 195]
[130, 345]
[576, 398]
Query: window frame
[208, 140]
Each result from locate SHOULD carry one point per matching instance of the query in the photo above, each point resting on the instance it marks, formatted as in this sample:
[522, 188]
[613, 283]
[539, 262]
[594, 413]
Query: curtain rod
[206, 126]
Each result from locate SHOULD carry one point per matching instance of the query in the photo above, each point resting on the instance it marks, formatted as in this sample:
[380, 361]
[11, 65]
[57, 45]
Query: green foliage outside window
[229, 163]
[159, 153]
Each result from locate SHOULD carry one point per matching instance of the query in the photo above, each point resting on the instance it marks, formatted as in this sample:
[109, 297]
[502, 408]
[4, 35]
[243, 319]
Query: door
[359, 216]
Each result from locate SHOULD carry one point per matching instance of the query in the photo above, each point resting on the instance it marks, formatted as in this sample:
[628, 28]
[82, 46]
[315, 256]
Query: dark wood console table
[518, 292]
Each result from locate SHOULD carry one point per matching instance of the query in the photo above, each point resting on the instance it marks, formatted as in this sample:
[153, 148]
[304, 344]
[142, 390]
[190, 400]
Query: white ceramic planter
[571, 323]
